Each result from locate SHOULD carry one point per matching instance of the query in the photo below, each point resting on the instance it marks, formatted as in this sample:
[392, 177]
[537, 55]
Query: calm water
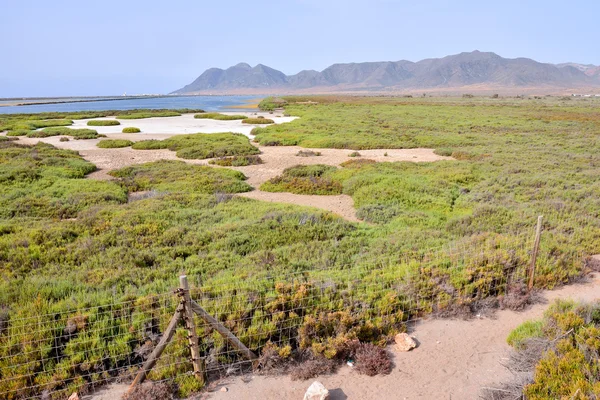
[209, 103]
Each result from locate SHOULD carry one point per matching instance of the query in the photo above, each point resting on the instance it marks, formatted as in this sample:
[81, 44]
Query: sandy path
[454, 360]
[275, 158]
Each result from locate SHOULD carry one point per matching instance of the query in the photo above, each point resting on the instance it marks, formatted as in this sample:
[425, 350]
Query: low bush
[131, 129]
[305, 179]
[220, 117]
[8, 139]
[200, 146]
[64, 139]
[177, 176]
[19, 132]
[237, 161]
[556, 357]
[372, 360]
[103, 122]
[308, 153]
[358, 163]
[354, 154]
[445, 152]
[257, 121]
[58, 131]
[114, 143]
[271, 103]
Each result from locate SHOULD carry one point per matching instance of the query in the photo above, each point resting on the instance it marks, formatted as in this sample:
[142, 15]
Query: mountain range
[479, 71]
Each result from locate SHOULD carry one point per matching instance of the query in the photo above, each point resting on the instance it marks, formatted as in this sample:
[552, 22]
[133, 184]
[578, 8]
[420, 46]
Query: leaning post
[536, 247]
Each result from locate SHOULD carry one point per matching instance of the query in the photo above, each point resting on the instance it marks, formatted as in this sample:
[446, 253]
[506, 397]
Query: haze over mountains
[478, 71]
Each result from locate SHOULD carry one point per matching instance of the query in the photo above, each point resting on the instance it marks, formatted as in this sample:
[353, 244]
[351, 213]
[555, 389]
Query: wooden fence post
[160, 347]
[226, 333]
[188, 316]
[536, 247]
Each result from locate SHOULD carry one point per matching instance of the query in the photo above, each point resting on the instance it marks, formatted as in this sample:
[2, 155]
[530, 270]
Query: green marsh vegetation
[237, 161]
[59, 131]
[558, 354]
[219, 117]
[258, 121]
[103, 122]
[199, 146]
[282, 273]
[305, 179]
[131, 129]
[114, 143]
[141, 114]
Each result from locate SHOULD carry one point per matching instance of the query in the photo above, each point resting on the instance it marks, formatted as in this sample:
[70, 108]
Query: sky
[108, 47]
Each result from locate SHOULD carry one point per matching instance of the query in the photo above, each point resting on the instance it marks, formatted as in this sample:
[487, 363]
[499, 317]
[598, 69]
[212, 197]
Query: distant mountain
[465, 70]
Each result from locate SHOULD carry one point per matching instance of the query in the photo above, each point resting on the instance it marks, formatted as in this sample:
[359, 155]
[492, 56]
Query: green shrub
[257, 121]
[202, 145]
[19, 132]
[237, 161]
[103, 122]
[527, 330]
[308, 153]
[131, 129]
[354, 154]
[220, 117]
[114, 143]
[177, 176]
[443, 152]
[58, 131]
[305, 179]
[271, 103]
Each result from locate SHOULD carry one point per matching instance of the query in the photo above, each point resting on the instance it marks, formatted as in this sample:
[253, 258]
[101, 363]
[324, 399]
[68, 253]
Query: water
[208, 103]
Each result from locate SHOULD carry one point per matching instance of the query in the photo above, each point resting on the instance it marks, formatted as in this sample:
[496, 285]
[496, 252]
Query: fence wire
[52, 355]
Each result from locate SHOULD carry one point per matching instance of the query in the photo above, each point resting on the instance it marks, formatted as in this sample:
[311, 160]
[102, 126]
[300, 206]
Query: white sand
[181, 125]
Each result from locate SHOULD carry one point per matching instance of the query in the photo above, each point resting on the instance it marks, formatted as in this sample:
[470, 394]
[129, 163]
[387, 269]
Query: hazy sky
[75, 47]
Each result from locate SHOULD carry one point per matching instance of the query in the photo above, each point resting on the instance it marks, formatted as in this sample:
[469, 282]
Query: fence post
[536, 247]
[160, 347]
[188, 316]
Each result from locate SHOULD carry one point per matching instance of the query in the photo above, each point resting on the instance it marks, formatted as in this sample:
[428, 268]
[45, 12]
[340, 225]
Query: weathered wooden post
[160, 347]
[536, 247]
[188, 316]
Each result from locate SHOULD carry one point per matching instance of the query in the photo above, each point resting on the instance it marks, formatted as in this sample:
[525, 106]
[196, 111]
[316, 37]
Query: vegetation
[220, 117]
[308, 153]
[258, 121]
[76, 253]
[199, 146]
[237, 161]
[131, 129]
[305, 179]
[562, 351]
[103, 122]
[58, 131]
[271, 103]
[114, 143]
[141, 114]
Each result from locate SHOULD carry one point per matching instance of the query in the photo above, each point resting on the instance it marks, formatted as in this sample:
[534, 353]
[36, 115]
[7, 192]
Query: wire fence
[50, 356]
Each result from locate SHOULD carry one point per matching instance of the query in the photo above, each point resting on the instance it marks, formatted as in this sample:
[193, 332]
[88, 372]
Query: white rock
[404, 342]
[224, 389]
[74, 396]
[316, 391]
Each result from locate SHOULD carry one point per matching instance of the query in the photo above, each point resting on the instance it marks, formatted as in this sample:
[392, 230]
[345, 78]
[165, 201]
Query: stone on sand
[404, 342]
[316, 391]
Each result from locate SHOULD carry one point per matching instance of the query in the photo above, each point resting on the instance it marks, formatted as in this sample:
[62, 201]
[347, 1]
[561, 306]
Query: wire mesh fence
[52, 355]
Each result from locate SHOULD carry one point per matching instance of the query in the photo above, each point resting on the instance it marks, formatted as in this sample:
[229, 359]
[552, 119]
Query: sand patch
[183, 124]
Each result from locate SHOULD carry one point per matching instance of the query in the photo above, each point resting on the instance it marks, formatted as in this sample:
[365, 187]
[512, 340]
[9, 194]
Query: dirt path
[454, 360]
[275, 158]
